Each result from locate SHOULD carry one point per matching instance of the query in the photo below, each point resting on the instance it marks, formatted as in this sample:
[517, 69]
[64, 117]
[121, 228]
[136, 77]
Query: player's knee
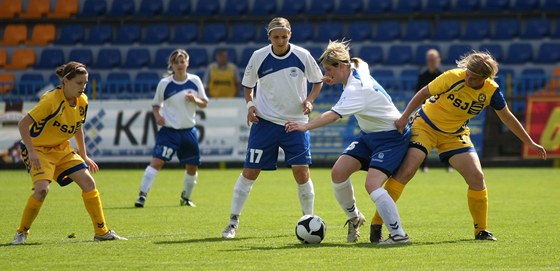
[41, 192]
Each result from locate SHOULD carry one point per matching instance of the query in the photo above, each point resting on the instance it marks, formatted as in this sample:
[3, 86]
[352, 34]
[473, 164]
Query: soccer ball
[310, 229]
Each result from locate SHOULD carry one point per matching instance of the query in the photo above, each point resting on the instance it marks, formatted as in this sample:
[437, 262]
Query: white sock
[189, 183]
[148, 179]
[240, 194]
[388, 211]
[344, 193]
[306, 195]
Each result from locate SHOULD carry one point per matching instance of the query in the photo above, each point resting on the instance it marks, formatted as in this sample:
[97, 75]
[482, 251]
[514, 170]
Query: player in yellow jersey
[45, 132]
[454, 97]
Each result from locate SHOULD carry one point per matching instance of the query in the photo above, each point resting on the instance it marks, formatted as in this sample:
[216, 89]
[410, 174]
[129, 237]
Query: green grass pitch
[524, 215]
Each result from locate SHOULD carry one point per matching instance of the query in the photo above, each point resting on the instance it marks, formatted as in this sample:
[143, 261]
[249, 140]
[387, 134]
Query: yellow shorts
[56, 163]
[426, 138]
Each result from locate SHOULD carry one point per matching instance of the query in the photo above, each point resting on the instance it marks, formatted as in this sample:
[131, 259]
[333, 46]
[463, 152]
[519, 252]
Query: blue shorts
[183, 142]
[266, 137]
[380, 150]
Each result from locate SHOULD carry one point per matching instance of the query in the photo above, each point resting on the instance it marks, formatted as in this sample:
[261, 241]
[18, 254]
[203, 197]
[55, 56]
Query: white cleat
[230, 231]
[395, 240]
[354, 225]
[19, 238]
[110, 236]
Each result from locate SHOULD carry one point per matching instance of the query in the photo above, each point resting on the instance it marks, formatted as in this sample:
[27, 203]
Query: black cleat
[185, 201]
[139, 203]
[375, 234]
[485, 235]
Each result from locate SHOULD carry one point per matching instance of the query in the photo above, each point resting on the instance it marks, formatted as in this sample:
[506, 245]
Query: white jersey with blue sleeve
[281, 82]
[174, 108]
[366, 99]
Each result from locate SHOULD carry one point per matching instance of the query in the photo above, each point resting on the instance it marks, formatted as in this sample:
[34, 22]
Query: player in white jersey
[174, 106]
[280, 72]
[379, 148]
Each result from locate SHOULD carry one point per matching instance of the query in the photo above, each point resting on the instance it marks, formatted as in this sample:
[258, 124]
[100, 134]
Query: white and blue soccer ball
[311, 229]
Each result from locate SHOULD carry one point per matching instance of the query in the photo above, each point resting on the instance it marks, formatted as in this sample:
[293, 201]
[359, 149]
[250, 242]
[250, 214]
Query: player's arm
[414, 103]
[515, 126]
[81, 144]
[23, 127]
[308, 103]
[325, 119]
[201, 103]
[251, 108]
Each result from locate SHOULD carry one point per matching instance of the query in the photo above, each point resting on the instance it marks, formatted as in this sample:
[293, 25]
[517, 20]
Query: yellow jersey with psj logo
[56, 121]
[453, 103]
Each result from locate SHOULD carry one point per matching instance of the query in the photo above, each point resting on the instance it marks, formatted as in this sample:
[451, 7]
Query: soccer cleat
[485, 235]
[375, 235]
[395, 240]
[354, 225]
[229, 231]
[19, 238]
[185, 201]
[141, 200]
[111, 235]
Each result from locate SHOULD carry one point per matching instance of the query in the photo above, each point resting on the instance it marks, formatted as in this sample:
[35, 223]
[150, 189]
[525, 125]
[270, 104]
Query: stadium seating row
[35, 9]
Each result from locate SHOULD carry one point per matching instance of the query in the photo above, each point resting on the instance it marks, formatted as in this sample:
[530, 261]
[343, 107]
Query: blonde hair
[338, 52]
[278, 23]
[173, 57]
[479, 63]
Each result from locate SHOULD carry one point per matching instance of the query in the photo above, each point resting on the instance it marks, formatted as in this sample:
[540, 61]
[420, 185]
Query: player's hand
[34, 161]
[160, 120]
[401, 123]
[190, 97]
[307, 107]
[92, 166]
[252, 115]
[291, 126]
[540, 150]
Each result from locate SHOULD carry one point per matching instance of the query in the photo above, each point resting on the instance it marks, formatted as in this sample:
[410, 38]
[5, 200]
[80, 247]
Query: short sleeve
[158, 97]
[250, 75]
[440, 84]
[498, 101]
[312, 70]
[42, 110]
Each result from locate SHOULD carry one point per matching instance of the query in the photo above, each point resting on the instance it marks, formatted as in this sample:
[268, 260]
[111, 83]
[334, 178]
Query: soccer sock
[240, 194]
[148, 179]
[394, 188]
[189, 183]
[478, 205]
[344, 193]
[95, 210]
[29, 214]
[306, 195]
[388, 211]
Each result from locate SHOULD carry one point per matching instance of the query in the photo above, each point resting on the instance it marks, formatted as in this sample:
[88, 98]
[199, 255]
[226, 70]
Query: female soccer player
[175, 102]
[281, 72]
[45, 133]
[455, 96]
[378, 149]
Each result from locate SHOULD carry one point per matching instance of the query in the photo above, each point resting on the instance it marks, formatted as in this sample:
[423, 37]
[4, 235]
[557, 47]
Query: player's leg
[189, 182]
[148, 179]
[306, 191]
[241, 193]
[31, 210]
[296, 146]
[189, 155]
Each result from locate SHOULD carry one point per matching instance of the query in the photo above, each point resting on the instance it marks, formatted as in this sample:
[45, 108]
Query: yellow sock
[478, 205]
[29, 214]
[394, 188]
[95, 210]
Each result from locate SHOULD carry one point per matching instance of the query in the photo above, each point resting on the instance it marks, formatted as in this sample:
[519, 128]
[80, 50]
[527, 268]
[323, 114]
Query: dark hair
[70, 70]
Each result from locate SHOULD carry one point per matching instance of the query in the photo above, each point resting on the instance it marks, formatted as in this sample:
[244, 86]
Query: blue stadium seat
[302, 32]
[420, 55]
[198, 57]
[84, 56]
[292, 7]
[386, 78]
[54, 80]
[50, 58]
[178, 8]
[161, 57]
[497, 5]
[214, 33]
[29, 85]
[501, 77]
[315, 51]
[455, 52]
[532, 79]
[100, 34]
[320, 7]
[156, 34]
[185, 33]
[127, 34]
[408, 79]
[551, 5]
[466, 5]
[379, 6]
[436, 6]
[495, 49]
[372, 54]
[150, 8]
[108, 58]
[447, 30]
[418, 30]
[359, 31]
[207, 8]
[555, 33]
[137, 58]
[246, 55]
[506, 29]
[399, 55]
[388, 31]
[536, 28]
[263, 8]
[477, 30]
[408, 6]
[94, 8]
[70, 34]
[242, 33]
[329, 31]
[117, 85]
[350, 7]
[122, 8]
[519, 53]
[235, 8]
[94, 81]
[145, 84]
[549, 53]
[526, 5]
